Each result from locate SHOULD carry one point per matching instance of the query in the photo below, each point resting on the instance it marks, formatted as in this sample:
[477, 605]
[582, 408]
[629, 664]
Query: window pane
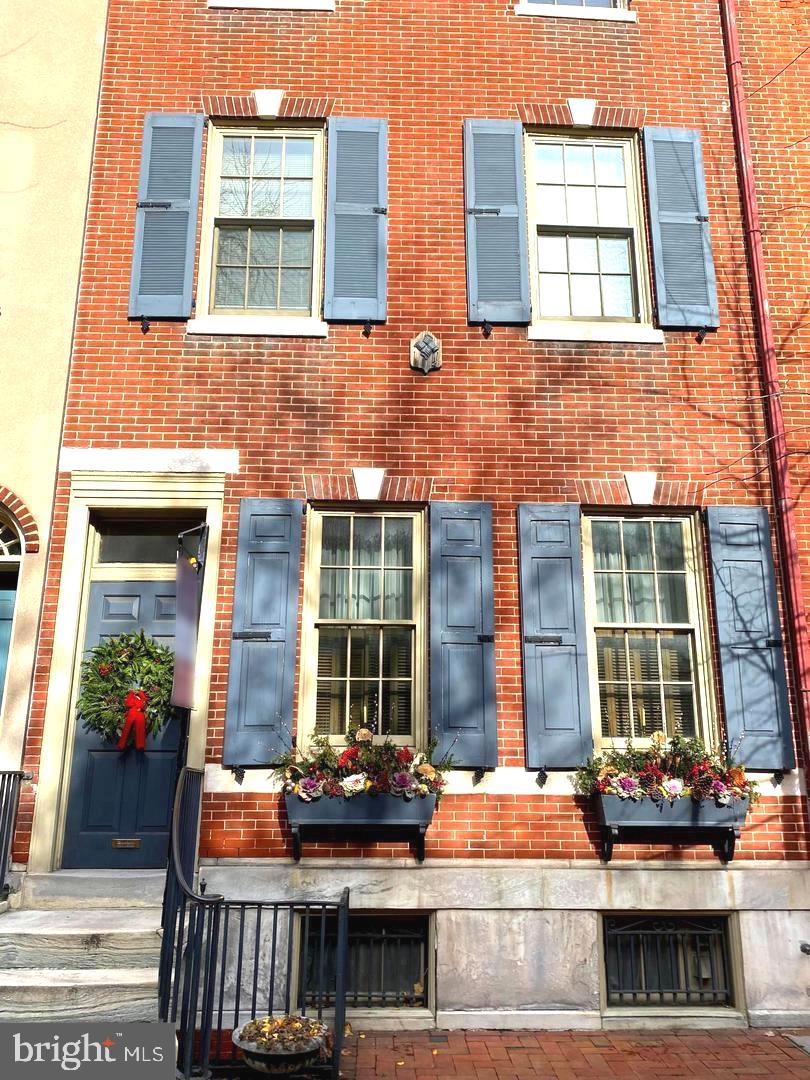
[267, 157]
[396, 710]
[548, 160]
[398, 542]
[367, 541]
[230, 289]
[617, 297]
[297, 247]
[335, 541]
[615, 710]
[266, 198]
[133, 541]
[232, 247]
[334, 594]
[398, 599]
[641, 597]
[643, 650]
[264, 247]
[364, 702]
[669, 551]
[674, 603]
[638, 545]
[611, 659]
[609, 598]
[332, 648]
[298, 198]
[680, 706]
[235, 156]
[330, 708]
[647, 713]
[551, 204]
[296, 286]
[263, 289]
[365, 654]
[614, 255]
[365, 594]
[582, 255]
[397, 653]
[609, 165]
[554, 298]
[581, 203]
[552, 253]
[586, 299]
[233, 198]
[607, 550]
[676, 657]
[299, 157]
[612, 204]
[579, 164]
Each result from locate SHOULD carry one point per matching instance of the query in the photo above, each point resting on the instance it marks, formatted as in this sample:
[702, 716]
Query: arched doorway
[11, 552]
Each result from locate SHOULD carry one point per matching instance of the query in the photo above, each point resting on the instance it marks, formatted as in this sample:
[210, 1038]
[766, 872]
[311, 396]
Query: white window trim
[308, 681]
[593, 329]
[706, 726]
[276, 5]
[270, 325]
[554, 11]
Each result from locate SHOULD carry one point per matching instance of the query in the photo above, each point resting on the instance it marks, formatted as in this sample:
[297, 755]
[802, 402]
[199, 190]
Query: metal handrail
[10, 784]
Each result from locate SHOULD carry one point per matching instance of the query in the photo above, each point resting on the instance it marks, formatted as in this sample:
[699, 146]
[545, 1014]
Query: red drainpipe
[795, 614]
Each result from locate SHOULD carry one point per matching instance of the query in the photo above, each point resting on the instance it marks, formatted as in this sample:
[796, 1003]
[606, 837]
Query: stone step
[82, 938]
[58, 994]
[71, 889]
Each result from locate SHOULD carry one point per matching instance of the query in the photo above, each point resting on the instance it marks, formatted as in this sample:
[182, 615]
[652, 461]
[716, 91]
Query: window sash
[596, 233]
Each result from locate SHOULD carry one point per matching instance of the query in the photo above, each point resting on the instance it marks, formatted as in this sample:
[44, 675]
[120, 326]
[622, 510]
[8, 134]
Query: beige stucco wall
[50, 62]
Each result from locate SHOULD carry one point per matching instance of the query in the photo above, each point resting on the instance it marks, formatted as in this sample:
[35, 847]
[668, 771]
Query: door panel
[7, 598]
[123, 795]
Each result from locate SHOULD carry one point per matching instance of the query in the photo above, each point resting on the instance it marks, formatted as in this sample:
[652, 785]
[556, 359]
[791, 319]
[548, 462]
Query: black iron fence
[225, 961]
[10, 783]
[667, 960]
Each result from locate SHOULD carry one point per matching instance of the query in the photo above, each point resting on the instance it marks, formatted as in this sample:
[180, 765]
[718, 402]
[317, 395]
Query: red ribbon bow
[134, 703]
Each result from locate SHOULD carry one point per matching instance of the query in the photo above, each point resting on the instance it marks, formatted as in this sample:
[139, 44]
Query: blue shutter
[356, 220]
[497, 238]
[555, 662]
[166, 216]
[258, 719]
[685, 285]
[752, 659]
[462, 634]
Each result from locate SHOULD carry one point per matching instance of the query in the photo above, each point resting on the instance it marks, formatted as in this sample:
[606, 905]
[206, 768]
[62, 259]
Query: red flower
[349, 755]
[404, 756]
[104, 670]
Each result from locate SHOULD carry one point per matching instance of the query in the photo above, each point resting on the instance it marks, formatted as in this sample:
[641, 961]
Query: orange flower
[736, 776]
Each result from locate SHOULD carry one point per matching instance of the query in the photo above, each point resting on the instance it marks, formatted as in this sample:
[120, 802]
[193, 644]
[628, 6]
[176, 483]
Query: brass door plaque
[133, 842]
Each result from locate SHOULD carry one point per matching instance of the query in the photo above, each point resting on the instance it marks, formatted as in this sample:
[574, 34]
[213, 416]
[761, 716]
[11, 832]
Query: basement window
[667, 960]
[388, 966]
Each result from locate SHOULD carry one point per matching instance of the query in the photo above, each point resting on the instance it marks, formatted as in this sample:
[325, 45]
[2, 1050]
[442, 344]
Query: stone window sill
[258, 326]
[551, 330]
[553, 11]
[276, 5]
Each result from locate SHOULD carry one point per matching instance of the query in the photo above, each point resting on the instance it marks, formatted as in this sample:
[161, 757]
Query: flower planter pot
[363, 817]
[684, 818]
[279, 1062]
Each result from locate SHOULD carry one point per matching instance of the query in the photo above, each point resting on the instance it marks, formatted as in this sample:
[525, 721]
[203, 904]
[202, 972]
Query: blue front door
[7, 598]
[119, 803]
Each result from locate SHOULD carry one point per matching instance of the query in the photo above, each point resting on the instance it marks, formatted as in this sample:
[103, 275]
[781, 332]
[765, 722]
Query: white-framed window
[587, 250]
[363, 662]
[617, 10]
[261, 253]
[648, 651]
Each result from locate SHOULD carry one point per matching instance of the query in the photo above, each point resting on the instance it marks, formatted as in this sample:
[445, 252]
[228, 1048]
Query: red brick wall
[506, 420]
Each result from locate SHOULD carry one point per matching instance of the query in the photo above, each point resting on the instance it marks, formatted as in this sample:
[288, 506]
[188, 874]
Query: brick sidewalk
[515, 1055]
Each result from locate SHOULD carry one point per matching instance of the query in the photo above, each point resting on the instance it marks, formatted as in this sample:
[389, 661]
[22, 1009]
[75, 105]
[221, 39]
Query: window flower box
[363, 817]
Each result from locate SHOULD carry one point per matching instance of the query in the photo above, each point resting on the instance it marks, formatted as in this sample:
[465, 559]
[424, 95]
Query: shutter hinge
[253, 635]
[543, 639]
[773, 643]
[150, 204]
[701, 217]
[380, 209]
[484, 210]
[485, 639]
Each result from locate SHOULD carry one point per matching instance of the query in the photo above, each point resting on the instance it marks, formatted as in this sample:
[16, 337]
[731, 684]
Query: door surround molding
[158, 492]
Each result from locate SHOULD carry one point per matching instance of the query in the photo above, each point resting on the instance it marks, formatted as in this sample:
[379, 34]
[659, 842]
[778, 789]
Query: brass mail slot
[134, 842]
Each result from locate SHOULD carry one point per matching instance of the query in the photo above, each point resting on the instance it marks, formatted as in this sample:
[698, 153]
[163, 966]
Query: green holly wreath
[115, 668]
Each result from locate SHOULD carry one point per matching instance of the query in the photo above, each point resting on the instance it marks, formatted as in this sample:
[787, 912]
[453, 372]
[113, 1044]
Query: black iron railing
[667, 960]
[10, 783]
[225, 961]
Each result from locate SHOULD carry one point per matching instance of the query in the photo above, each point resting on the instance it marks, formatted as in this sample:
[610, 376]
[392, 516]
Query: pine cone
[702, 787]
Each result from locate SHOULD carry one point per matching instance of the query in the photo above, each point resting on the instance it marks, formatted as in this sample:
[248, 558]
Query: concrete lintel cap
[268, 102]
[368, 483]
[582, 111]
[641, 487]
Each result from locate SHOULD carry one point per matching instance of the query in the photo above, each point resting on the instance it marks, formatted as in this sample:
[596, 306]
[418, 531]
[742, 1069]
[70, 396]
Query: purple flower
[718, 787]
[309, 788]
[628, 783]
